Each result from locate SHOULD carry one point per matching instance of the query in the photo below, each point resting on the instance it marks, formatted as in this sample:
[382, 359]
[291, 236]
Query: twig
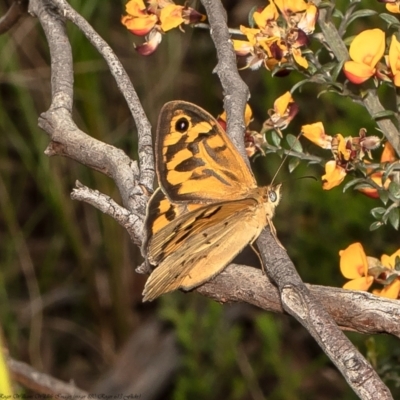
[357, 311]
[131, 221]
[42, 383]
[236, 92]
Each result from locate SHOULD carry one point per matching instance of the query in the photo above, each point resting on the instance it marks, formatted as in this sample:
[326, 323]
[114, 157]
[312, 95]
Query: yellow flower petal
[135, 7]
[363, 283]
[390, 291]
[357, 72]
[390, 261]
[242, 47]
[250, 33]
[334, 175]
[281, 103]
[394, 52]
[353, 261]
[393, 7]
[316, 133]
[368, 47]
[269, 13]
[140, 26]
[388, 154]
[302, 61]
[171, 17]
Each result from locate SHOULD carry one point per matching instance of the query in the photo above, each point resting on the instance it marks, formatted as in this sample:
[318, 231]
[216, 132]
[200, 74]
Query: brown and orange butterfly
[208, 206]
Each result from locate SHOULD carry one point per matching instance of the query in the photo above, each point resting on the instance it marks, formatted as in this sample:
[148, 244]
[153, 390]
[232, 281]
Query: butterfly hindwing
[199, 244]
[196, 160]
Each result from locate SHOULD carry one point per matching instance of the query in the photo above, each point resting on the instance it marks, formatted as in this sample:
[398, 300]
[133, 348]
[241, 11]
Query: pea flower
[345, 151]
[159, 17]
[285, 109]
[363, 271]
[273, 43]
[394, 60]
[365, 51]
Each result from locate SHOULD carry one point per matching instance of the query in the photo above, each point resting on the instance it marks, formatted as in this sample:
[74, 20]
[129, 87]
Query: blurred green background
[70, 299]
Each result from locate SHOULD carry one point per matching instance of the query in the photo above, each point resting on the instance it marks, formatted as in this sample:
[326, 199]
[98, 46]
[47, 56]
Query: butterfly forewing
[196, 160]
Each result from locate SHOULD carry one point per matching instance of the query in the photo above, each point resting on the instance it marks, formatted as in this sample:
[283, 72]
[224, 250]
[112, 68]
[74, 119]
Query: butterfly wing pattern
[208, 206]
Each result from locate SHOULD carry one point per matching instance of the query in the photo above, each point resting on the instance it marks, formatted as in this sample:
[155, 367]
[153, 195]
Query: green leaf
[394, 218]
[294, 143]
[377, 212]
[384, 196]
[352, 183]
[390, 19]
[293, 163]
[252, 23]
[360, 14]
[276, 139]
[375, 225]
[394, 190]
[336, 70]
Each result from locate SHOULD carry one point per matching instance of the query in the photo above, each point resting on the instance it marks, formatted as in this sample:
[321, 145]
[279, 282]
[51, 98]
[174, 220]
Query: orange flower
[365, 51]
[160, 16]
[394, 60]
[363, 271]
[138, 21]
[354, 266]
[388, 156]
[285, 109]
[392, 275]
[334, 175]
[316, 133]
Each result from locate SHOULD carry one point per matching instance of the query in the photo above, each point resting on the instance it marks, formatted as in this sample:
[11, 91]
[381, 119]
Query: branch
[131, 221]
[236, 92]
[361, 312]
[42, 383]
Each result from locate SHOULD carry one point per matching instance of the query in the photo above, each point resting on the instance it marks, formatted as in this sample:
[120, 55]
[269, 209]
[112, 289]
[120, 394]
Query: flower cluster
[345, 150]
[366, 51]
[283, 29]
[157, 18]
[363, 271]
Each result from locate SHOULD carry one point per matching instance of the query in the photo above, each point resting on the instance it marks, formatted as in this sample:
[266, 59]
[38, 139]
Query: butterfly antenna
[284, 159]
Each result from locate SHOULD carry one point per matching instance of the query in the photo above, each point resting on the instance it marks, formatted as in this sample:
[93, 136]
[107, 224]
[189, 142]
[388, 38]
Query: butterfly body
[208, 206]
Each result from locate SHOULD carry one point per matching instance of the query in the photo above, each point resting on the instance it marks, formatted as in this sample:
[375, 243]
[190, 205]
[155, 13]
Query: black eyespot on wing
[182, 125]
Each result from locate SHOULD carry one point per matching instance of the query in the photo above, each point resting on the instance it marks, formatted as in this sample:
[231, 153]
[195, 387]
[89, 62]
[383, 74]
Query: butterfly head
[271, 197]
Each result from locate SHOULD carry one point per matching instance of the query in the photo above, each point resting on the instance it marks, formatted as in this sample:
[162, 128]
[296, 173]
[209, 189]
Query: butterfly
[207, 207]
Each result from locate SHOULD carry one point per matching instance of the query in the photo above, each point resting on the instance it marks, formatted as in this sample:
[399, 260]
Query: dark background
[70, 299]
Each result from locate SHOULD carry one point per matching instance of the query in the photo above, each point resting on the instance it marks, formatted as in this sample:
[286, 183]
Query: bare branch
[236, 92]
[131, 221]
[42, 383]
[361, 312]
[301, 304]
